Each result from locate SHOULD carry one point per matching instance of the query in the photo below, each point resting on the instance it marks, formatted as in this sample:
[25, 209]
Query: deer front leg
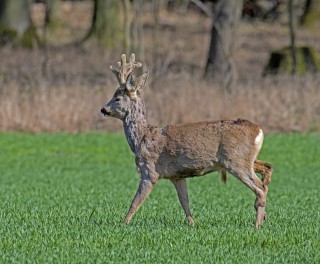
[144, 189]
[181, 187]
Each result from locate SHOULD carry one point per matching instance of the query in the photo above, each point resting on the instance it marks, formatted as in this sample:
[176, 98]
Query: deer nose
[104, 111]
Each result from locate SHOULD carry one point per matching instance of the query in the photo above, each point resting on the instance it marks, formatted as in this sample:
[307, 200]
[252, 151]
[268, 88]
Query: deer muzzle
[105, 111]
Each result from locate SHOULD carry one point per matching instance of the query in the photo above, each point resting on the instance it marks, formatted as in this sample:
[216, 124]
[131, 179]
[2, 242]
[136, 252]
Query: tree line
[107, 29]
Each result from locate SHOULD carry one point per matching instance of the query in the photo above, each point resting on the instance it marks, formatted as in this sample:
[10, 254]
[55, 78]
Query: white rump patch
[259, 139]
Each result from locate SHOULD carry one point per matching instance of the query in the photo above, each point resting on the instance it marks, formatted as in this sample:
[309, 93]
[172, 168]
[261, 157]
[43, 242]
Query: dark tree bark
[220, 66]
[52, 14]
[15, 23]
[155, 34]
[292, 29]
[138, 34]
[311, 13]
[127, 24]
[106, 24]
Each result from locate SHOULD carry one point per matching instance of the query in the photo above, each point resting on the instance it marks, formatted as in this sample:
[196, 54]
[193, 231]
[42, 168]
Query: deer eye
[118, 99]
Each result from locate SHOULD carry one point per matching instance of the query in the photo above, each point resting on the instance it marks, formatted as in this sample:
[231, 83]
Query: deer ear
[141, 81]
[116, 73]
[130, 83]
[131, 86]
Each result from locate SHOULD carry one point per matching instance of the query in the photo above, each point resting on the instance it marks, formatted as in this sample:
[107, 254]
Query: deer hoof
[191, 221]
[127, 220]
[261, 216]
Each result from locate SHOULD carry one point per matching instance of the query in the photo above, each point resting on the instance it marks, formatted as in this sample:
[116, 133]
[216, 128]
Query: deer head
[129, 91]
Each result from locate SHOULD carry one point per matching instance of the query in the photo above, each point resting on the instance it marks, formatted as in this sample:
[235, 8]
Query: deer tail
[223, 173]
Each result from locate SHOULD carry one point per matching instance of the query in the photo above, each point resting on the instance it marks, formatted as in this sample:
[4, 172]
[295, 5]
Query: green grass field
[63, 198]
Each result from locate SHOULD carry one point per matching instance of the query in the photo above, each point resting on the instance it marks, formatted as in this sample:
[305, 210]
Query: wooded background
[208, 60]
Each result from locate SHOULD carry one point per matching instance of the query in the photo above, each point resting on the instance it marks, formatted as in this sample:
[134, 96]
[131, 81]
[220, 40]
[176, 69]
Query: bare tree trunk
[106, 26]
[51, 20]
[155, 33]
[52, 14]
[311, 13]
[292, 29]
[126, 31]
[138, 36]
[15, 23]
[220, 65]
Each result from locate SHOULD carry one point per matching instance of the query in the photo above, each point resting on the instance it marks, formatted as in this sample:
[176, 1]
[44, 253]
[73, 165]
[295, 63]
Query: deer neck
[135, 125]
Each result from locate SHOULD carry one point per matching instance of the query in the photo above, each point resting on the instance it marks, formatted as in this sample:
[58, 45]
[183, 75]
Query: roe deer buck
[177, 152]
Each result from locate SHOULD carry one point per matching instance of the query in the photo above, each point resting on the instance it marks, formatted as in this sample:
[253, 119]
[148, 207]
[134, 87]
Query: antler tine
[126, 68]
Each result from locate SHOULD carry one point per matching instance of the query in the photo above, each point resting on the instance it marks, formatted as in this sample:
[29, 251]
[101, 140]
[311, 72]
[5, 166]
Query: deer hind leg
[265, 169]
[249, 178]
[261, 167]
[181, 188]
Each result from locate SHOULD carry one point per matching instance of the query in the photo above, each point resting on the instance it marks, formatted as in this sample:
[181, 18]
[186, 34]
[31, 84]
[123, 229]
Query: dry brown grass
[78, 81]
[277, 105]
